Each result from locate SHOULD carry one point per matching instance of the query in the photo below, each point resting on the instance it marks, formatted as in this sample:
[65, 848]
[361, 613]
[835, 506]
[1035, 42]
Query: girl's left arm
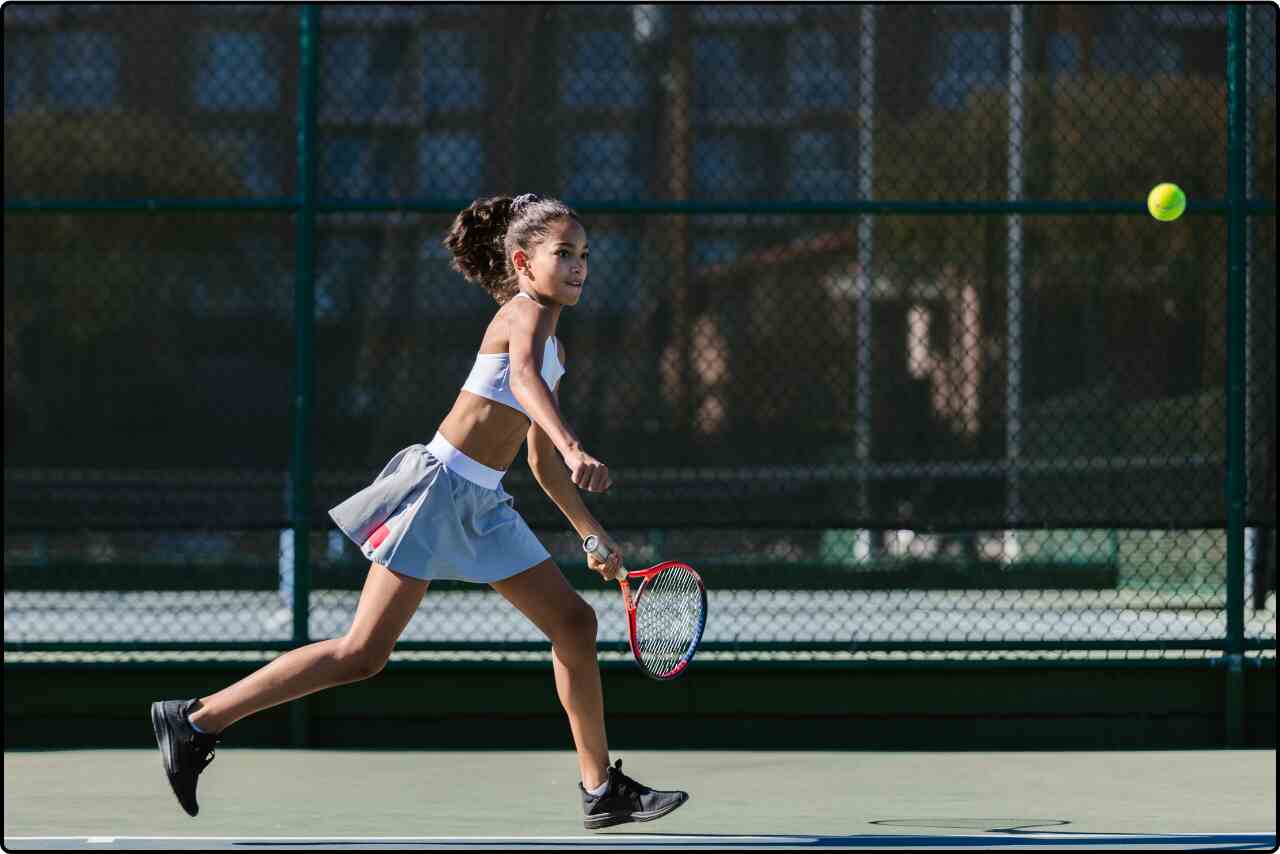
[550, 473]
[553, 477]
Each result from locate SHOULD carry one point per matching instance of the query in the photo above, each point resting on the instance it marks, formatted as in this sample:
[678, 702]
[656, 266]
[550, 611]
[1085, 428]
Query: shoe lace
[205, 746]
[623, 784]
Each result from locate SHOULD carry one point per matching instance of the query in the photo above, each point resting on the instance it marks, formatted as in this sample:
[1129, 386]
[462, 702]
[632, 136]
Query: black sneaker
[185, 751]
[626, 800]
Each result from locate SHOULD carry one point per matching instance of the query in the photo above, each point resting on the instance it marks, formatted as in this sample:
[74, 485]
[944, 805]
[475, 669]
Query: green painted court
[520, 797]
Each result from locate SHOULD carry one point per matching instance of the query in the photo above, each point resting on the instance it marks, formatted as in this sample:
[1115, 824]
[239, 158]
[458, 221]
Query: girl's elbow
[543, 470]
[523, 371]
[520, 386]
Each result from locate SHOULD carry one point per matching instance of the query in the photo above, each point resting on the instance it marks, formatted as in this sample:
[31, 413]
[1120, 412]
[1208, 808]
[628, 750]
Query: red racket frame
[593, 546]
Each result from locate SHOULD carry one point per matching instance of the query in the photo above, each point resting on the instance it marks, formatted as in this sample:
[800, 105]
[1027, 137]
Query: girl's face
[557, 267]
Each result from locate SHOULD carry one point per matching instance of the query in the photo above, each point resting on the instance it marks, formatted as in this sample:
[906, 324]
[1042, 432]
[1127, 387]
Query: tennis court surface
[358, 800]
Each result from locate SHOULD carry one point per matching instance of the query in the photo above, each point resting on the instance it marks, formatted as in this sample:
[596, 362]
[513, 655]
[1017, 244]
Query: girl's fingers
[592, 476]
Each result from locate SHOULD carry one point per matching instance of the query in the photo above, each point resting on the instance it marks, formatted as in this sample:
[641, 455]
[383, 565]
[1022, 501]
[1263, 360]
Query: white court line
[986, 841]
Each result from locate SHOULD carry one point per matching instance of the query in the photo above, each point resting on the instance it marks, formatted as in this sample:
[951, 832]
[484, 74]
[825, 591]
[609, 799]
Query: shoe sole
[610, 819]
[164, 740]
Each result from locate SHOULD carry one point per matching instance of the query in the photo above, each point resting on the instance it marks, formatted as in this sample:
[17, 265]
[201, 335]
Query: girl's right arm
[528, 328]
[553, 479]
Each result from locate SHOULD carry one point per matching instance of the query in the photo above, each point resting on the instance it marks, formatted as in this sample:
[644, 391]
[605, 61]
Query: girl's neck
[553, 306]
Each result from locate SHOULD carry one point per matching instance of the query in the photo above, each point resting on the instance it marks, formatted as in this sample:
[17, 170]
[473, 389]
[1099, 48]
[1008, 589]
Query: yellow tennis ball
[1166, 202]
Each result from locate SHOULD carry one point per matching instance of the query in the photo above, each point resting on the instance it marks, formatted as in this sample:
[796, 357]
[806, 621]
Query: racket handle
[593, 545]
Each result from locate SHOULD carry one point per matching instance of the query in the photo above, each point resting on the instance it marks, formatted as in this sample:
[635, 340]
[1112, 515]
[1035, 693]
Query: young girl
[439, 511]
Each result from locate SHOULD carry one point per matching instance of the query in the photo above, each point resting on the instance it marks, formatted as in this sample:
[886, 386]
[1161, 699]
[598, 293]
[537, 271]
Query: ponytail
[476, 241]
[484, 234]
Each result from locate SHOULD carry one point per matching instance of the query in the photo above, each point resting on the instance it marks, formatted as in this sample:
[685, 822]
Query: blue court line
[1239, 841]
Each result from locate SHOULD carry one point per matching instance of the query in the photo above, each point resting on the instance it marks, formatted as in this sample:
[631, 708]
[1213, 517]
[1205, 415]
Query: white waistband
[458, 462]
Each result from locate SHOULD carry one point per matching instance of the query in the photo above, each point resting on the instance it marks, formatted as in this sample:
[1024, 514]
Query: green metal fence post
[1233, 646]
[304, 304]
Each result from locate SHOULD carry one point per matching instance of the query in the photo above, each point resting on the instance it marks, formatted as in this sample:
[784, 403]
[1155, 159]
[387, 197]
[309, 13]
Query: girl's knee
[587, 621]
[580, 625]
[359, 660]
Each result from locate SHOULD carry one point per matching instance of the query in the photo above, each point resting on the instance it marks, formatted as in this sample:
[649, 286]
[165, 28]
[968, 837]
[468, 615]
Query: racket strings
[668, 616]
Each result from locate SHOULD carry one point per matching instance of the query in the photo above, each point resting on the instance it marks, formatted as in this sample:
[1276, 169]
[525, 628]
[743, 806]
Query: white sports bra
[490, 376]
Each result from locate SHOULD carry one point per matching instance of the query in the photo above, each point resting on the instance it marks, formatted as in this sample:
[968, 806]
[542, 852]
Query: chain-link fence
[879, 335]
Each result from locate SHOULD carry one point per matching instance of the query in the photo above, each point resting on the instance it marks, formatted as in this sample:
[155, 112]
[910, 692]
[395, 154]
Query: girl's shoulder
[530, 323]
[523, 316]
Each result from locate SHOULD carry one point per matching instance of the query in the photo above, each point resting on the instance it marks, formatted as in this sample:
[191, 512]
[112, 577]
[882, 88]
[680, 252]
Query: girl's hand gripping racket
[665, 617]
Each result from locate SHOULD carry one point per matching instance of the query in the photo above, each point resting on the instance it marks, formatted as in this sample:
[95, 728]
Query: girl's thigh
[387, 603]
[544, 595]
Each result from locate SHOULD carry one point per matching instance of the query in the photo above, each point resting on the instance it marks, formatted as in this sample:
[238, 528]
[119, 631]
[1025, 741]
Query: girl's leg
[387, 603]
[544, 596]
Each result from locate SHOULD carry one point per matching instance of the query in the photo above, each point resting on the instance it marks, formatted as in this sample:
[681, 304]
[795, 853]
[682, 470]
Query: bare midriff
[487, 431]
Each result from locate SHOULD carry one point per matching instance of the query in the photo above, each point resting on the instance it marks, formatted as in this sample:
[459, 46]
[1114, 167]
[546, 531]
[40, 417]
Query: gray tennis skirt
[436, 513]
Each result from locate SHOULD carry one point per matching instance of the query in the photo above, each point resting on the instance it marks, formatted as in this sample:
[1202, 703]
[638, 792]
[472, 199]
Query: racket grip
[592, 545]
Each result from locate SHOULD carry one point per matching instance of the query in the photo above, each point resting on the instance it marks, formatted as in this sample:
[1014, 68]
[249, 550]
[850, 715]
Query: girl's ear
[520, 260]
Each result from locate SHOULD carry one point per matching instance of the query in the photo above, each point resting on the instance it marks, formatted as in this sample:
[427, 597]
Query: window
[733, 79]
[452, 164]
[344, 68]
[355, 166]
[1134, 43]
[714, 57]
[601, 71]
[363, 74]
[816, 75]
[746, 13]
[251, 152]
[728, 165]
[1260, 24]
[1063, 53]
[1117, 53]
[820, 166]
[371, 14]
[237, 10]
[234, 73]
[602, 165]
[613, 283]
[442, 292]
[344, 261]
[17, 14]
[973, 59]
[454, 71]
[1191, 16]
[19, 73]
[83, 70]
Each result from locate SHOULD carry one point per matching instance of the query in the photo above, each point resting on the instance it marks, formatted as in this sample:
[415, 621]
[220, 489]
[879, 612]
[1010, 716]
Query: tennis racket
[665, 617]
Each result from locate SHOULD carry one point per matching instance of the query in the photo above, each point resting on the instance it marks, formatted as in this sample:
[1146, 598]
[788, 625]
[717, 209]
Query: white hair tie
[526, 199]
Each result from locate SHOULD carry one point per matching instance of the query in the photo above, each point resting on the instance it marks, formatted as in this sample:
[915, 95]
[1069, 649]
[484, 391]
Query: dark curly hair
[484, 235]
